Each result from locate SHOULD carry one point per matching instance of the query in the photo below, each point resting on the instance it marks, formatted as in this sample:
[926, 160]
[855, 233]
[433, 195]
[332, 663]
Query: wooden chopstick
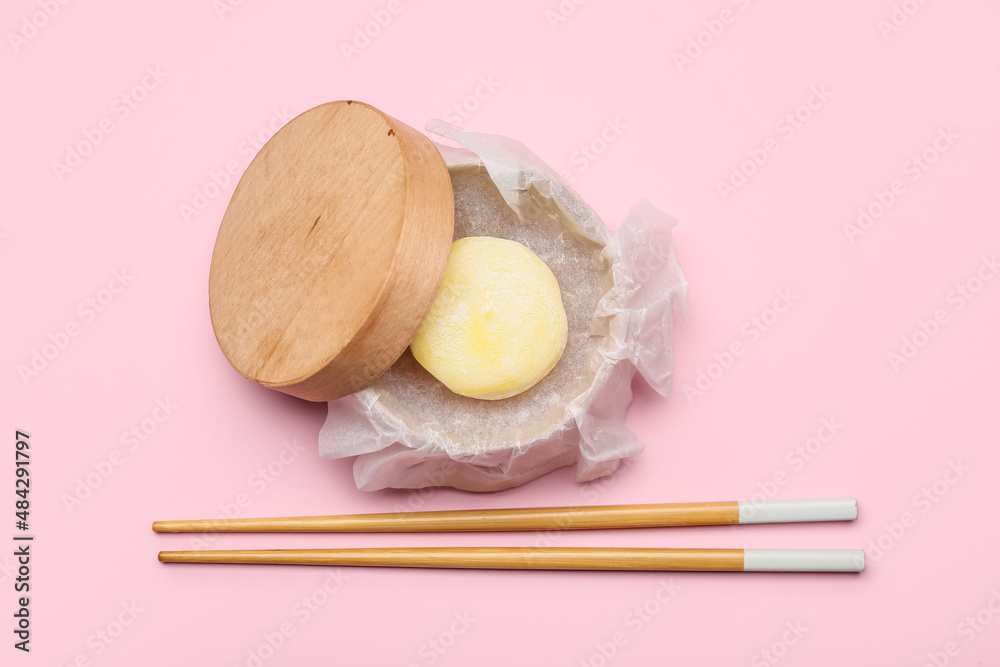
[536, 518]
[547, 558]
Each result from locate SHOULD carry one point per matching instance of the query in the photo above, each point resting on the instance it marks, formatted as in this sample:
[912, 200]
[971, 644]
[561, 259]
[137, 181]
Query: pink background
[224, 76]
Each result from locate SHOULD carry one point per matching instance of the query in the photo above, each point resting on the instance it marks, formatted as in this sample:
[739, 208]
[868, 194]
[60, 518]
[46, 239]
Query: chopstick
[537, 518]
[547, 558]
[543, 558]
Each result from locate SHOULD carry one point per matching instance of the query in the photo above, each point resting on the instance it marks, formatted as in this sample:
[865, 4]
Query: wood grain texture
[531, 518]
[503, 558]
[331, 251]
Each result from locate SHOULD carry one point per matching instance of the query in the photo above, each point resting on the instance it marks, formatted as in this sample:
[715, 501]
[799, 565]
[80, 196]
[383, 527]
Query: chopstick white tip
[786, 511]
[803, 560]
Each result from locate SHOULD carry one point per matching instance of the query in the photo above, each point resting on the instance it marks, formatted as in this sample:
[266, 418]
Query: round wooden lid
[331, 251]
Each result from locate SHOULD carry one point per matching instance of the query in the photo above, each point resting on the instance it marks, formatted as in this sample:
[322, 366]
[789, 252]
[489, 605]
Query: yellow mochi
[497, 325]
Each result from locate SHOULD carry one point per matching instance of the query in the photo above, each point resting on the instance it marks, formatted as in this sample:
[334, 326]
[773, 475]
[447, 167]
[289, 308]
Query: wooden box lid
[331, 251]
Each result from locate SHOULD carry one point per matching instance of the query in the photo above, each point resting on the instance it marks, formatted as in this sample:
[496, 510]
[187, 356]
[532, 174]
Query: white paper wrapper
[620, 293]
